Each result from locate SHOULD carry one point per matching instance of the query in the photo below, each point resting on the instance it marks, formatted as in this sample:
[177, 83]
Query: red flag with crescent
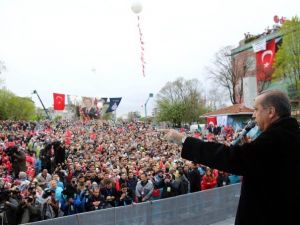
[264, 61]
[59, 101]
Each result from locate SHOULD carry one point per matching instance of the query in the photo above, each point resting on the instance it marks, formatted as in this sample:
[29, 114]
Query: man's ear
[272, 112]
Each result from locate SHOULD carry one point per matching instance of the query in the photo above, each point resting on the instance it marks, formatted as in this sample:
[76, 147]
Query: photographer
[8, 207]
[70, 201]
[51, 206]
[84, 196]
[28, 211]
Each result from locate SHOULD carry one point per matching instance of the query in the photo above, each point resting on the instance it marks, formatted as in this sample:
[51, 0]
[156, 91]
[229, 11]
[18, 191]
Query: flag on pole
[113, 104]
[59, 101]
[264, 61]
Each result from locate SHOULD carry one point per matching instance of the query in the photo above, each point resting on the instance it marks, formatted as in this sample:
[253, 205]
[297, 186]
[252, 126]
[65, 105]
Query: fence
[199, 208]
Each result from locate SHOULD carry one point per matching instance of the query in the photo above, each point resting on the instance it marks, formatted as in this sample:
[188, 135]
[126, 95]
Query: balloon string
[142, 44]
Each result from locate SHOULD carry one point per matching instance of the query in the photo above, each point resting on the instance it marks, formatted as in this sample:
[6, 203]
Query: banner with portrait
[92, 107]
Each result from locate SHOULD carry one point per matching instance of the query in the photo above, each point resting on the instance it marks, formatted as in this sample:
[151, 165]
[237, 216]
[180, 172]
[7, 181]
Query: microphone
[243, 133]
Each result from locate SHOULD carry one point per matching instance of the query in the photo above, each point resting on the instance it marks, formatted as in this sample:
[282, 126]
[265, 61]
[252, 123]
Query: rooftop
[236, 109]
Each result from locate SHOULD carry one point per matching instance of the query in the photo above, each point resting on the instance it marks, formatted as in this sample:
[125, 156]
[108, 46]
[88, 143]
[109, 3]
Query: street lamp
[150, 96]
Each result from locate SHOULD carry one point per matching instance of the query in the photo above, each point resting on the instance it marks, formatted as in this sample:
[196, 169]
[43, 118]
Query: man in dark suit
[264, 199]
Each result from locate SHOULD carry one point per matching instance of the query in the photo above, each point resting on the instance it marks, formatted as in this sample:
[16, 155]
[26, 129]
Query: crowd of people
[52, 169]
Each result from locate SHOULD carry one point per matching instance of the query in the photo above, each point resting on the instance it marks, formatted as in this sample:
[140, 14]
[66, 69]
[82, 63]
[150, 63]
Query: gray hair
[279, 100]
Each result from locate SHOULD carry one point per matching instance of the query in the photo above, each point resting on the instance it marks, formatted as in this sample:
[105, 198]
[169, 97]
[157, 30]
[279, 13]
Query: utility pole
[150, 96]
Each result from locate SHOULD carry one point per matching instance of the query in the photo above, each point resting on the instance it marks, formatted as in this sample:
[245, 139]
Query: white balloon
[136, 7]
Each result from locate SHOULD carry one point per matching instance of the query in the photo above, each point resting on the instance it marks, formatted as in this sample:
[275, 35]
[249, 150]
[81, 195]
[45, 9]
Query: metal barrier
[201, 208]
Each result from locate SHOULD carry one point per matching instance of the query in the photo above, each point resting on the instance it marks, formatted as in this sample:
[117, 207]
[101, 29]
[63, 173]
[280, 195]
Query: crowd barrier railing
[201, 208]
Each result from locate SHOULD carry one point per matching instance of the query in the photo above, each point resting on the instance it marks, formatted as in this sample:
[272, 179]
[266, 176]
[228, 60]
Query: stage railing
[201, 208]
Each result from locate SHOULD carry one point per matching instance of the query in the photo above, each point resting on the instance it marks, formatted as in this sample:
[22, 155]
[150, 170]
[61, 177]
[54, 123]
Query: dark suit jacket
[274, 154]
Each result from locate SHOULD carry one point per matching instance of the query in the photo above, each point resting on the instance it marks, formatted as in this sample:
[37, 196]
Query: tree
[14, 107]
[40, 114]
[215, 99]
[228, 72]
[180, 102]
[132, 116]
[287, 61]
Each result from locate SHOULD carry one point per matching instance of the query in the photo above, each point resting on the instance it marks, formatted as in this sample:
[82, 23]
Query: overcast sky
[92, 47]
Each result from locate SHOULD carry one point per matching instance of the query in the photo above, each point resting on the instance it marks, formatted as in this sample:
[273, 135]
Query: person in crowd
[70, 201]
[208, 180]
[18, 160]
[58, 190]
[183, 182]
[132, 182]
[44, 178]
[125, 196]
[96, 201]
[59, 153]
[144, 189]
[222, 179]
[278, 144]
[28, 211]
[109, 192]
[50, 208]
[194, 178]
[169, 189]
[10, 205]
[123, 179]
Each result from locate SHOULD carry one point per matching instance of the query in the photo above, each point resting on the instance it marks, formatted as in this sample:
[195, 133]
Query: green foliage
[180, 102]
[287, 62]
[40, 114]
[14, 107]
[57, 118]
[107, 116]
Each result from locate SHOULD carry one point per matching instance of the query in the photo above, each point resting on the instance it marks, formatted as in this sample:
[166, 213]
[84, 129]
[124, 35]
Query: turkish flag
[264, 61]
[59, 101]
[212, 120]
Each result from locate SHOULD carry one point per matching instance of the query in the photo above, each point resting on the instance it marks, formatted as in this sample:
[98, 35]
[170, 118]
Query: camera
[47, 193]
[69, 191]
[30, 199]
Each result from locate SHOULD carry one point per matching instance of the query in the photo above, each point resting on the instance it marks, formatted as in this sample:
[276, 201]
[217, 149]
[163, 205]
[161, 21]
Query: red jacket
[208, 182]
